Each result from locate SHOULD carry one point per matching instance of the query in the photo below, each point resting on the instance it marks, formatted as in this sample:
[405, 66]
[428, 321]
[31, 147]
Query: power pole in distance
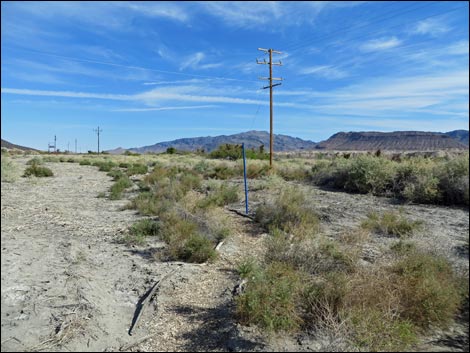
[98, 132]
[271, 79]
[75, 146]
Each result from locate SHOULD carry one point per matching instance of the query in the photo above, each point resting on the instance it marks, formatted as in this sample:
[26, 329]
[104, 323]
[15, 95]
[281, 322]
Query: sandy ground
[67, 284]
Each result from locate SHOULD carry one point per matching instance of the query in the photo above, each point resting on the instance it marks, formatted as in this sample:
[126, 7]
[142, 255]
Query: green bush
[118, 187]
[35, 161]
[430, 293]
[142, 229]
[85, 162]
[104, 166]
[185, 241]
[137, 169]
[38, 171]
[271, 298]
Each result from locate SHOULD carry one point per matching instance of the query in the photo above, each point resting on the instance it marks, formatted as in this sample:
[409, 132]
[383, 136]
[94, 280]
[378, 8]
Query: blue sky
[147, 72]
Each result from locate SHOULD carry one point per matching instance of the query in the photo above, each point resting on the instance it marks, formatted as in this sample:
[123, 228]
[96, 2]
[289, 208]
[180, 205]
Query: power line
[333, 34]
[63, 57]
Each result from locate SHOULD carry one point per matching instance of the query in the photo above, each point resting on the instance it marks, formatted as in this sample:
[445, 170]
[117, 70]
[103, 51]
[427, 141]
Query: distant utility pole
[49, 146]
[271, 79]
[68, 147]
[75, 146]
[98, 132]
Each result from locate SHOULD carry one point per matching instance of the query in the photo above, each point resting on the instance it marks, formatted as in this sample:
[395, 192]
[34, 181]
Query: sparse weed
[391, 223]
[118, 187]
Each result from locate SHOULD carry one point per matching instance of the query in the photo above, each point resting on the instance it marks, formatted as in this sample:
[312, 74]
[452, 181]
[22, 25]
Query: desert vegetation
[304, 279]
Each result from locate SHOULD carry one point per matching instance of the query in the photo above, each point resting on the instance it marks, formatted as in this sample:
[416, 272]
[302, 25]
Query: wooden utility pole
[98, 132]
[271, 79]
[75, 146]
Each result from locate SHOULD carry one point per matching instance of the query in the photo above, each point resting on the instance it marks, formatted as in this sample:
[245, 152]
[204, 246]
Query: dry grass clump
[290, 213]
[220, 196]
[391, 223]
[9, 170]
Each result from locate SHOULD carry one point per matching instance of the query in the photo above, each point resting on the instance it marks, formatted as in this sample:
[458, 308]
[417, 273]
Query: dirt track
[68, 284]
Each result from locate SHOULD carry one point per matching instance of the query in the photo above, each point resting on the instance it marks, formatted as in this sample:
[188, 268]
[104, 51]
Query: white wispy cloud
[431, 26]
[152, 98]
[380, 44]
[69, 94]
[325, 71]
[281, 13]
[458, 48]
[194, 61]
[443, 91]
[164, 108]
[168, 10]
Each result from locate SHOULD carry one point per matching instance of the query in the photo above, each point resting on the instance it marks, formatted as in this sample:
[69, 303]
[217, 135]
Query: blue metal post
[244, 176]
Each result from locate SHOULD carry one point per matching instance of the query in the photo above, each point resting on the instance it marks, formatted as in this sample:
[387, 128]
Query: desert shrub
[403, 247]
[391, 223]
[35, 161]
[416, 181]
[9, 170]
[124, 165]
[227, 151]
[312, 256]
[429, 290]
[104, 166]
[85, 162]
[221, 196]
[190, 181]
[202, 167]
[296, 173]
[271, 298]
[323, 299]
[255, 170]
[37, 171]
[142, 229]
[147, 203]
[51, 159]
[454, 181]
[290, 213]
[137, 168]
[376, 333]
[223, 172]
[369, 174]
[129, 153]
[115, 174]
[118, 187]
[184, 240]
